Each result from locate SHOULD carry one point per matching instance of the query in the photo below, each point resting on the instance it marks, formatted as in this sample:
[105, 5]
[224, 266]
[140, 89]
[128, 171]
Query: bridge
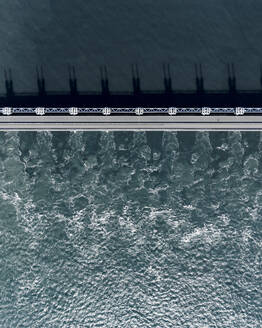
[169, 108]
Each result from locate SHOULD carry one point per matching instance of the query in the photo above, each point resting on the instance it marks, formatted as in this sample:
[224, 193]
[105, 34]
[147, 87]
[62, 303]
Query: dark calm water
[126, 229]
[120, 32]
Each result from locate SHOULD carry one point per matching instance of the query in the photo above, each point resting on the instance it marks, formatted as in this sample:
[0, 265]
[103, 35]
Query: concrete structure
[166, 109]
[118, 123]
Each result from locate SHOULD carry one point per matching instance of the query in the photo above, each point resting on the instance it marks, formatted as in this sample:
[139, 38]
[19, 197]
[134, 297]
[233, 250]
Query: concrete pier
[119, 123]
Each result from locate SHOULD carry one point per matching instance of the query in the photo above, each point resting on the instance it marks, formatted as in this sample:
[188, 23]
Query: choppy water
[130, 229]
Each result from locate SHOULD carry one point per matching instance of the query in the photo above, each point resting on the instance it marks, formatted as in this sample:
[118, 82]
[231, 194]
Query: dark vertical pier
[72, 81]
[231, 78]
[261, 76]
[40, 82]
[167, 78]
[104, 81]
[136, 80]
[199, 78]
[9, 83]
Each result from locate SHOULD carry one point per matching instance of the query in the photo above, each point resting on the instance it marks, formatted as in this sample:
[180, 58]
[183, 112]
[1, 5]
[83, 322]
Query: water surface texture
[130, 229]
[120, 32]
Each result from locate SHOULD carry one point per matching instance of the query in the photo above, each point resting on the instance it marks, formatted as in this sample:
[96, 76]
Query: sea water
[117, 33]
[130, 229]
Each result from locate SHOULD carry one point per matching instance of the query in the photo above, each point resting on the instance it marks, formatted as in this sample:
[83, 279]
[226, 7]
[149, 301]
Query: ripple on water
[130, 230]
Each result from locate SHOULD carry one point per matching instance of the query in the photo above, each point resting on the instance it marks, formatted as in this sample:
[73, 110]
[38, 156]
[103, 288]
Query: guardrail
[138, 111]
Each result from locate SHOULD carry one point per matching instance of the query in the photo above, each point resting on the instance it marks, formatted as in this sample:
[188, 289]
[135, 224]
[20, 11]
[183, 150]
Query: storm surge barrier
[169, 108]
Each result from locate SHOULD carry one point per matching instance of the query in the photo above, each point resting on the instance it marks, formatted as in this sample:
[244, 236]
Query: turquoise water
[130, 229]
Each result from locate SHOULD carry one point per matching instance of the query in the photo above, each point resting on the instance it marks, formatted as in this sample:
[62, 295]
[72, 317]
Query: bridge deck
[118, 123]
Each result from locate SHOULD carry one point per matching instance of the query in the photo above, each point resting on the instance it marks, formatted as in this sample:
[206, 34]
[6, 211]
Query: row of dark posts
[199, 80]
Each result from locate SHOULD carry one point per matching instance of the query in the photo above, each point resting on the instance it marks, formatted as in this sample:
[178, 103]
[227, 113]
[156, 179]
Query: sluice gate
[167, 109]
